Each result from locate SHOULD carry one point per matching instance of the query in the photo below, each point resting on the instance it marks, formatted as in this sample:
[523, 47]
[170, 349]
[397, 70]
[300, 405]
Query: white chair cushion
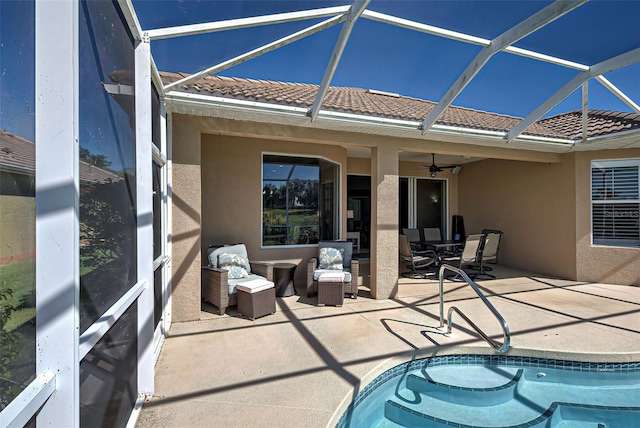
[318, 272]
[235, 282]
[331, 277]
[254, 286]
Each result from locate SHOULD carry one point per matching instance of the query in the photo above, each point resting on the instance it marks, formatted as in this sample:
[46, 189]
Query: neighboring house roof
[19, 155]
[380, 104]
[16, 153]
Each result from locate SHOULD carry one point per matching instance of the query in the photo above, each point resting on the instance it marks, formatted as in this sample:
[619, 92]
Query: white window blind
[615, 197]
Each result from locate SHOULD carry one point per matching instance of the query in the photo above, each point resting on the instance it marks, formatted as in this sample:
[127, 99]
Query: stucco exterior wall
[614, 265]
[384, 222]
[532, 203]
[543, 206]
[232, 195]
[360, 166]
[185, 227]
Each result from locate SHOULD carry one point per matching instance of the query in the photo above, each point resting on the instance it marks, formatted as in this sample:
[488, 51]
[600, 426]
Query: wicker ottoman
[256, 298]
[330, 289]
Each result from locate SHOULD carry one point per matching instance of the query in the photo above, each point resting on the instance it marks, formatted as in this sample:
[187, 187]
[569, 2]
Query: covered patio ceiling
[564, 38]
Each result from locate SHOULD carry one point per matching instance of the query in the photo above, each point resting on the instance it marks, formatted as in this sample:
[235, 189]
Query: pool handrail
[506, 336]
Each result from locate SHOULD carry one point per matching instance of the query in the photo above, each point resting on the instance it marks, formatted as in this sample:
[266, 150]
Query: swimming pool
[499, 391]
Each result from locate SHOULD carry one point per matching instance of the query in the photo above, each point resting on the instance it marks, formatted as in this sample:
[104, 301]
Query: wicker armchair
[350, 265]
[217, 288]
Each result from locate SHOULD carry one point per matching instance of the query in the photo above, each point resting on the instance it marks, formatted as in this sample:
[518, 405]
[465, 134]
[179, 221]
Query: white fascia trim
[373, 120]
[212, 101]
[458, 130]
[17, 169]
[450, 129]
[628, 133]
[22, 408]
[545, 140]
[94, 333]
[261, 107]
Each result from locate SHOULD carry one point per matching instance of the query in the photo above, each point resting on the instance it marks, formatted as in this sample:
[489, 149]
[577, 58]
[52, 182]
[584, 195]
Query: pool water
[499, 391]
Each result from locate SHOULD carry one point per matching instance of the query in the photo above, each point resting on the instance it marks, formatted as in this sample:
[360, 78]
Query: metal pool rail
[506, 337]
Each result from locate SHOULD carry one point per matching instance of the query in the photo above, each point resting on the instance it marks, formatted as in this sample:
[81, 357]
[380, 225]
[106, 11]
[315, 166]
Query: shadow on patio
[302, 365]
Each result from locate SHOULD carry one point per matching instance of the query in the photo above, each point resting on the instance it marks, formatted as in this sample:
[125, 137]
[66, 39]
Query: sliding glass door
[423, 203]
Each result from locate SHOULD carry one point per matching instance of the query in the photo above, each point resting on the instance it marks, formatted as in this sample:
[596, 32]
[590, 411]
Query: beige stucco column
[186, 227]
[384, 221]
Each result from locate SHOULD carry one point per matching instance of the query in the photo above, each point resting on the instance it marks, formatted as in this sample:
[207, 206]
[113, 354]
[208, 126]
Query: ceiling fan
[435, 169]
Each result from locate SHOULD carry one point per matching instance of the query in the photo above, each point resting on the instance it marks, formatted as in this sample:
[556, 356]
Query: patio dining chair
[432, 234]
[492, 248]
[490, 251]
[416, 259]
[471, 254]
[413, 235]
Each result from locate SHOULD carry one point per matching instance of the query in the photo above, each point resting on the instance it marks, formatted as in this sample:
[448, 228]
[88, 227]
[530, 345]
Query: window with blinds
[615, 202]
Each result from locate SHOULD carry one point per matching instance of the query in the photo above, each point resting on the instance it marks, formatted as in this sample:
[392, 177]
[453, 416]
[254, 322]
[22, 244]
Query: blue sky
[384, 57]
[377, 56]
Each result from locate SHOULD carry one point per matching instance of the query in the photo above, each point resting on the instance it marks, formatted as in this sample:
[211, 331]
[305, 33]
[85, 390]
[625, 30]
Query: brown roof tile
[601, 122]
[373, 103]
[18, 154]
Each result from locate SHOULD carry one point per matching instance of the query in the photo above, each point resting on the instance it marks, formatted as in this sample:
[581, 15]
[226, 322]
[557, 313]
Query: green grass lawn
[20, 278]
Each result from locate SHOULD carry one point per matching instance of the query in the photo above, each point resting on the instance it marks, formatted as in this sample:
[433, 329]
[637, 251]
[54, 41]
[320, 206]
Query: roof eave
[258, 107]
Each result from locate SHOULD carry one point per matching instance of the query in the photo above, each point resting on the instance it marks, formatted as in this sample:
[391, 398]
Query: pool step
[558, 415]
[487, 396]
[408, 417]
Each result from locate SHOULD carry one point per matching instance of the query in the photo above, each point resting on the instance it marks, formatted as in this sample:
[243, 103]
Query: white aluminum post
[585, 111]
[144, 209]
[169, 220]
[166, 229]
[57, 219]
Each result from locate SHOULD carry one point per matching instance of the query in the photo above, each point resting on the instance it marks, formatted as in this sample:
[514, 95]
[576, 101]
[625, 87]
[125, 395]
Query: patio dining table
[440, 246]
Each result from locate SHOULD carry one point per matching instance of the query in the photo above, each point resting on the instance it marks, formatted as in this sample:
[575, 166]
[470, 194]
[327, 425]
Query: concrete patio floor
[301, 366]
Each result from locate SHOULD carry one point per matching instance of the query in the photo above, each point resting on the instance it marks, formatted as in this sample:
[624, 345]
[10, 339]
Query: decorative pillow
[330, 258]
[235, 264]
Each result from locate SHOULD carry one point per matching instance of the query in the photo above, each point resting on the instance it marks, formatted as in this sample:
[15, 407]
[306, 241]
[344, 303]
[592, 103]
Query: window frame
[608, 164]
[337, 216]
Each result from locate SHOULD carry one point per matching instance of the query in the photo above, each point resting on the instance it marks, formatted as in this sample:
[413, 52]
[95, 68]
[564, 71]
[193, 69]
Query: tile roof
[18, 154]
[384, 105]
[601, 122]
